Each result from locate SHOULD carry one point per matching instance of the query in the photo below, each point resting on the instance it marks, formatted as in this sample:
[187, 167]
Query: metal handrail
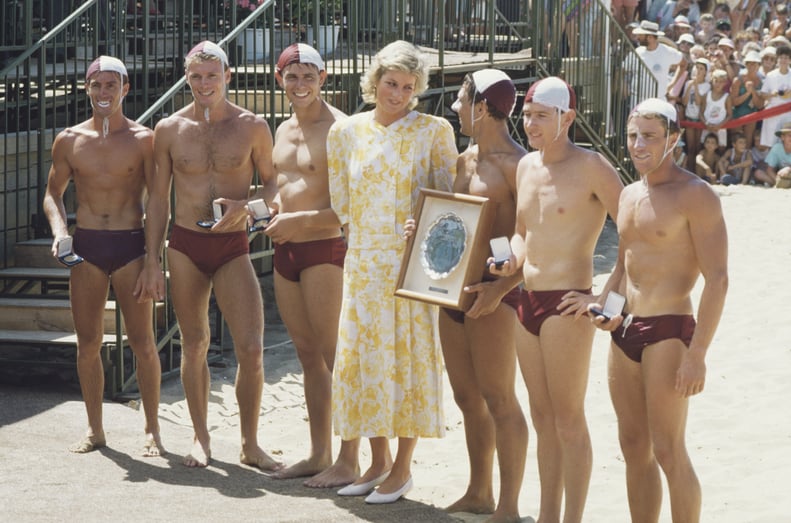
[588, 49]
[48, 36]
[181, 82]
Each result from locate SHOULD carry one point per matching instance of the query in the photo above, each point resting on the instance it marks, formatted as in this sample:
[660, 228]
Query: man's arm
[722, 163]
[262, 159]
[710, 242]
[60, 173]
[159, 174]
[607, 185]
[681, 68]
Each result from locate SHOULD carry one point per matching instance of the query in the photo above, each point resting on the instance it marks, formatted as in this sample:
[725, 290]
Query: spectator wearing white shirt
[659, 58]
[776, 90]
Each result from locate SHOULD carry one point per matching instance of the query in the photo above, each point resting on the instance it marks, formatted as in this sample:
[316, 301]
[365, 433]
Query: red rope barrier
[748, 118]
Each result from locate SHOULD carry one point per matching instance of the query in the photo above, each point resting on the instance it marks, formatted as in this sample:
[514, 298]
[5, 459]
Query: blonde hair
[397, 56]
[201, 57]
[719, 74]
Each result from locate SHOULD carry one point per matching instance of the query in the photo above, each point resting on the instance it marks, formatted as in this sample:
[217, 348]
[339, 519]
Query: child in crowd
[736, 164]
[706, 161]
[716, 108]
[697, 88]
[759, 153]
[745, 95]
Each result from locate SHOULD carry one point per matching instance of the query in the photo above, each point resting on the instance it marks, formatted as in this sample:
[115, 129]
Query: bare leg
[140, 330]
[401, 469]
[88, 293]
[566, 346]
[310, 309]
[556, 372]
[478, 423]
[381, 461]
[643, 483]
[494, 358]
[191, 289]
[550, 474]
[238, 295]
[667, 420]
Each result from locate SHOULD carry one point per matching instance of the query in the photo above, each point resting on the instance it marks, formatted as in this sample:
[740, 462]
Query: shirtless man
[208, 150]
[671, 230]
[479, 347]
[309, 252]
[110, 159]
[564, 195]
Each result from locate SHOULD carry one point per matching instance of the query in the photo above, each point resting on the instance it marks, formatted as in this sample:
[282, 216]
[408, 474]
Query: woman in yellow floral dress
[388, 369]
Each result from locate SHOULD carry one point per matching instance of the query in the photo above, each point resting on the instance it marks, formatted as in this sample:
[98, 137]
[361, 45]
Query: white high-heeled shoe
[376, 498]
[363, 488]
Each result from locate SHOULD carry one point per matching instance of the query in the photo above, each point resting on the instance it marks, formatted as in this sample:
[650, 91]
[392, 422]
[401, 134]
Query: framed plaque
[448, 250]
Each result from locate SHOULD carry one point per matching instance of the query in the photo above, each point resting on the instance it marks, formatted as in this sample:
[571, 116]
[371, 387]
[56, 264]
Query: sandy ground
[739, 432]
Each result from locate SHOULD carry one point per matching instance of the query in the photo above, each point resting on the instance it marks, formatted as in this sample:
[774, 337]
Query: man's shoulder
[244, 117]
[330, 112]
[352, 121]
[173, 121]
[139, 130]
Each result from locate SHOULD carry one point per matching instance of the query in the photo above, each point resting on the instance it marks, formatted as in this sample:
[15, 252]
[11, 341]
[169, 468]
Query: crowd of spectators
[722, 61]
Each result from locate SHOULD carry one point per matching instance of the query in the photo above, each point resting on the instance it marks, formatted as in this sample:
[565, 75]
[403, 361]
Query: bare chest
[220, 149]
[651, 219]
[112, 162]
[298, 151]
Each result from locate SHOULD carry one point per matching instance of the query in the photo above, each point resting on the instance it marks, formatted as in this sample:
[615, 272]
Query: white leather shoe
[380, 499]
[363, 488]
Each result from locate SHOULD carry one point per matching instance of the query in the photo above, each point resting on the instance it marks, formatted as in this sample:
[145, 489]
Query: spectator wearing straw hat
[768, 61]
[659, 58]
[778, 160]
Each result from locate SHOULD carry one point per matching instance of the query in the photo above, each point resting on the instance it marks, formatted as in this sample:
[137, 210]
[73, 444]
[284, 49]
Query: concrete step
[35, 253]
[36, 280]
[50, 314]
[23, 337]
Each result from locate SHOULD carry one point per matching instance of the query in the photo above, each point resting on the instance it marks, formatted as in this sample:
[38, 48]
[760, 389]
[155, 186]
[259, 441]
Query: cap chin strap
[664, 153]
[472, 121]
[560, 114]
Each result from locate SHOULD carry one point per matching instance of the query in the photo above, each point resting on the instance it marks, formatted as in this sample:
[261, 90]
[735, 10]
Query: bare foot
[260, 459]
[472, 505]
[337, 475]
[198, 457]
[306, 467]
[503, 519]
[88, 443]
[153, 448]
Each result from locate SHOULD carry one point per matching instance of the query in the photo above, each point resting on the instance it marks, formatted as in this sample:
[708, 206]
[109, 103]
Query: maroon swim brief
[292, 258]
[109, 250]
[537, 306]
[209, 251]
[647, 330]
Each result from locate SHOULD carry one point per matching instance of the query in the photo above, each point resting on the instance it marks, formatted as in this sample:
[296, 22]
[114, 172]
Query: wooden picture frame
[448, 250]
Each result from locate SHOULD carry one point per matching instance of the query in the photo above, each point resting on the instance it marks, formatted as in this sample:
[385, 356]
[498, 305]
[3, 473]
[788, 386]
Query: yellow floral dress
[387, 379]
